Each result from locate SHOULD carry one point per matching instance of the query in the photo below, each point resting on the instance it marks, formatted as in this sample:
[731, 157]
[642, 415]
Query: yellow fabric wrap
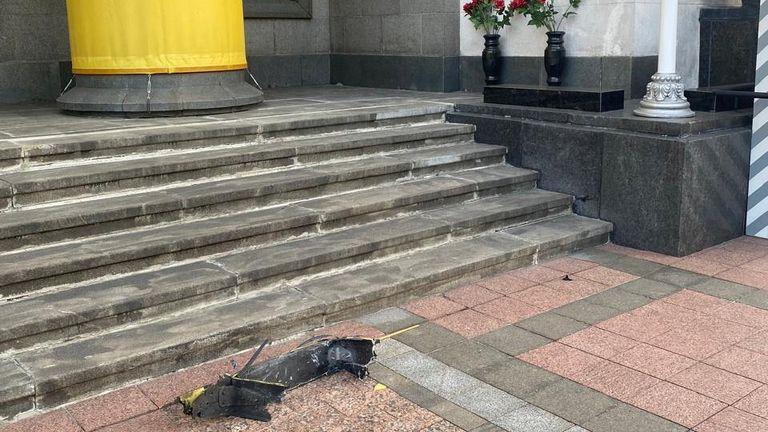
[112, 37]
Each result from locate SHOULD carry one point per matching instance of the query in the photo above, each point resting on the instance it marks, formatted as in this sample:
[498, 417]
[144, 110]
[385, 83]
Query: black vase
[491, 59]
[554, 58]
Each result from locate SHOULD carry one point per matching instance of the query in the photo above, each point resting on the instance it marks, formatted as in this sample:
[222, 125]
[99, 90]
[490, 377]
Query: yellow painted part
[110, 37]
[190, 398]
[379, 387]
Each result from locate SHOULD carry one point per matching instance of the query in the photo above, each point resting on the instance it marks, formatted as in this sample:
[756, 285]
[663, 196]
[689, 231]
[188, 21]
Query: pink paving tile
[692, 345]
[506, 284]
[678, 404]
[756, 402]
[433, 307]
[508, 310]
[577, 286]
[544, 297]
[742, 362]
[719, 330]
[539, 274]
[757, 343]
[55, 421]
[607, 276]
[653, 361]
[152, 422]
[733, 420]
[760, 264]
[649, 321]
[696, 301]
[599, 342]
[615, 380]
[743, 314]
[569, 265]
[111, 408]
[670, 313]
[731, 256]
[700, 265]
[561, 359]
[470, 323]
[746, 276]
[715, 383]
[350, 329]
[472, 295]
[164, 390]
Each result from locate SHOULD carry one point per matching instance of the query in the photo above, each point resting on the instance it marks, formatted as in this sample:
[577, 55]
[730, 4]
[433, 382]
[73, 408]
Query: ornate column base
[665, 98]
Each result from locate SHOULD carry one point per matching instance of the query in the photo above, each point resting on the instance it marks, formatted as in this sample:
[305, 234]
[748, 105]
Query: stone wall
[407, 44]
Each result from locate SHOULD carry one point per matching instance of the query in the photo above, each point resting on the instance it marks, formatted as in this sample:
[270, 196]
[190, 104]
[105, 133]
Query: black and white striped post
[757, 213]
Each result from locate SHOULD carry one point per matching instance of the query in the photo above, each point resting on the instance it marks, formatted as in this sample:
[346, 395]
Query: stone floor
[609, 339]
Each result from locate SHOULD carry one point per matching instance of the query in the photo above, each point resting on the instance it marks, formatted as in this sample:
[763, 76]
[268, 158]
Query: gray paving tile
[650, 288]
[619, 299]
[572, 401]
[552, 325]
[390, 348]
[626, 418]
[577, 429]
[676, 277]
[488, 427]
[429, 337]
[723, 289]
[513, 340]
[391, 319]
[586, 312]
[635, 266]
[596, 255]
[469, 356]
[517, 377]
[533, 419]
[758, 299]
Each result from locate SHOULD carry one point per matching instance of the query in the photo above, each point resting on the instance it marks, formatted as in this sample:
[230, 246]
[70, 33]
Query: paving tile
[689, 344]
[472, 295]
[391, 319]
[351, 329]
[151, 422]
[626, 418]
[746, 276]
[539, 274]
[678, 404]
[531, 418]
[653, 361]
[569, 265]
[719, 330]
[54, 421]
[619, 299]
[698, 264]
[469, 356]
[165, 389]
[488, 427]
[741, 362]
[755, 403]
[607, 276]
[517, 377]
[676, 277]
[640, 254]
[508, 310]
[544, 297]
[599, 342]
[561, 359]
[586, 312]
[715, 383]
[111, 408]
[428, 337]
[572, 401]
[650, 288]
[513, 340]
[442, 426]
[506, 284]
[576, 286]
[696, 301]
[757, 298]
[759, 264]
[757, 343]
[731, 255]
[743, 314]
[642, 324]
[552, 325]
[390, 348]
[723, 289]
[733, 420]
[614, 380]
[456, 415]
[469, 323]
[433, 307]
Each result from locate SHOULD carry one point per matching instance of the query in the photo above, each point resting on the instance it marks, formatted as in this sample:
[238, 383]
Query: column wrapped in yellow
[119, 37]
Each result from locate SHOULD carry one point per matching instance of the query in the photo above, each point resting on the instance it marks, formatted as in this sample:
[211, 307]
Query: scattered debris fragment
[567, 278]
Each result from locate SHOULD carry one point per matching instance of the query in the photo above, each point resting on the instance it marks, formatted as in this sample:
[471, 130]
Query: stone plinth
[583, 99]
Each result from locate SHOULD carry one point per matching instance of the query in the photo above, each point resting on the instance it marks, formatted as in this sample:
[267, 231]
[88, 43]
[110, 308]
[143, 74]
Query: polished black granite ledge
[575, 98]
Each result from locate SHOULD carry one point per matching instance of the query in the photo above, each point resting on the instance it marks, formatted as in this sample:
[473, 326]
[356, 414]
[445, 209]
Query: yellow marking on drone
[379, 387]
[397, 333]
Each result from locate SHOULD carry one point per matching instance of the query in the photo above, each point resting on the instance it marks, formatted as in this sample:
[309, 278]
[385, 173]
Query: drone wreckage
[247, 393]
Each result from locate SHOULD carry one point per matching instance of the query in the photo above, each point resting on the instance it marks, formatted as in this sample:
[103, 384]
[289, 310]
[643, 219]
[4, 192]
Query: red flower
[499, 4]
[517, 4]
[469, 6]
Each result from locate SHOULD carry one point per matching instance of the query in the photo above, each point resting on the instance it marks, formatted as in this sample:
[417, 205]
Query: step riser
[219, 167]
[202, 139]
[232, 341]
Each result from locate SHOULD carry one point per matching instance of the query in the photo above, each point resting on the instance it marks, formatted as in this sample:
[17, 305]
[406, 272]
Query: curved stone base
[161, 94]
[665, 98]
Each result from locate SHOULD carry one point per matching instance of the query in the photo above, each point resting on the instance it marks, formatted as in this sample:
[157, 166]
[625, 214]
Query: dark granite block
[438, 74]
[706, 98]
[315, 69]
[643, 69]
[582, 99]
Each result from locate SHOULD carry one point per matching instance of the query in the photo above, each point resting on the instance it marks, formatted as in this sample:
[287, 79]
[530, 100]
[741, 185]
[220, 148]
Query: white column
[665, 96]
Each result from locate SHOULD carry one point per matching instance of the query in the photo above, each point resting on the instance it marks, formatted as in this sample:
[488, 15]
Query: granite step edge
[71, 311]
[65, 372]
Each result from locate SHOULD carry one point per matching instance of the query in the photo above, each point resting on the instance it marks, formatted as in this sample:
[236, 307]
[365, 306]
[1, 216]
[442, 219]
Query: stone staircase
[125, 255]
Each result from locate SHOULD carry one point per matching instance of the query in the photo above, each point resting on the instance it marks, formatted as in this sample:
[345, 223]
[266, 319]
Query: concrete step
[49, 183]
[54, 374]
[130, 250]
[70, 312]
[122, 137]
[74, 219]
